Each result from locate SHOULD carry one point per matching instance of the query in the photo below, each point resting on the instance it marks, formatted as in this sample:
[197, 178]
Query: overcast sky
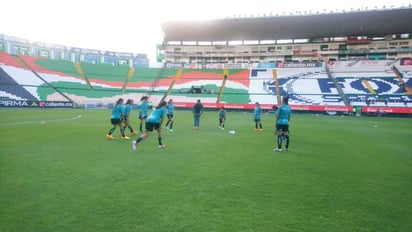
[133, 25]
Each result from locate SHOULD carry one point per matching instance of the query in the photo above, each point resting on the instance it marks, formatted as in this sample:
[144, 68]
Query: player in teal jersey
[283, 114]
[170, 114]
[154, 122]
[256, 117]
[117, 119]
[127, 109]
[222, 118]
[144, 108]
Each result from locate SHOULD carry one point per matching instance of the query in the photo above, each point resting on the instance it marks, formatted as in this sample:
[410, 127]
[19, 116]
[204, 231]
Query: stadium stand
[327, 70]
[10, 89]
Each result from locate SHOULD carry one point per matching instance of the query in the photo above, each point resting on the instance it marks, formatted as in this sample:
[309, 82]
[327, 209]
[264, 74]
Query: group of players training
[121, 113]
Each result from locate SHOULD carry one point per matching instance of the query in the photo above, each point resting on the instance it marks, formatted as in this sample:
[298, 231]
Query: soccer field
[341, 174]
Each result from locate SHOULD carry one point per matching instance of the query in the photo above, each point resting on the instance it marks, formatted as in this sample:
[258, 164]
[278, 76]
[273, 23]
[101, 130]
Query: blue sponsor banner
[140, 63]
[76, 50]
[267, 65]
[109, 54]
[110, 60]
[91, 58]
[20, 46]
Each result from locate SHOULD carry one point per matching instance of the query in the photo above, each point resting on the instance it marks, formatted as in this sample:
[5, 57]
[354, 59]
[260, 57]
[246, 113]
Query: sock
[111, 131]
[171, 125]
[260, 125]
[167, 123]
[139, 139]
[131, 129]
[141, 127]
[287, 141]
[223, 125]
[279, 141]
[256, 125]
[122, 131]
[160, 140]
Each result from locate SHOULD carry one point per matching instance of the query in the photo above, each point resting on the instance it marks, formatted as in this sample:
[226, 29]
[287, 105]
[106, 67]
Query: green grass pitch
[341, 174]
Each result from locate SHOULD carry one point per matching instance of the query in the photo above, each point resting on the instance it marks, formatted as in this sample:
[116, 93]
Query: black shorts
[282, 128]
[150, 126]
[116, 121]
[141, 116]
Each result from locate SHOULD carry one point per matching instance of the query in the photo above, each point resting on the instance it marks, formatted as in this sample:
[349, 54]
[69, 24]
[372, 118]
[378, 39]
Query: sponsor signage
[313, 108]
[34, 104]
[299, 64]
[388, 110]
[173, 65]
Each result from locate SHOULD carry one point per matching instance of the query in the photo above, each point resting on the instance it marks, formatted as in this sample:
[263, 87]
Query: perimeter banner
[311, 108]
[35, 104]
[268, 107]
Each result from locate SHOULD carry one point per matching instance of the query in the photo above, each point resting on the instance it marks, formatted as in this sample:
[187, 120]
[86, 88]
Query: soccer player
[256, 112]
[170, 112]
[127, 109]
[117, 118]
[282, 124]
[197, 110]
[144, 108]
[154, 122]
[222, 117]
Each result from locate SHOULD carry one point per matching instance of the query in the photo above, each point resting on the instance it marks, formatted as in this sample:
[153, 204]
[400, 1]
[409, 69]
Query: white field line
[41, 121]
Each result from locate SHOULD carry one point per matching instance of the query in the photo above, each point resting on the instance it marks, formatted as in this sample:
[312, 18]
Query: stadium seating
[371, 82]
[361, 82]
[9, 60]
[10, 89]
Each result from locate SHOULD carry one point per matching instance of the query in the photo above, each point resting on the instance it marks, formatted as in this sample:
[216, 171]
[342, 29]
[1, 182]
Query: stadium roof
[375, 23]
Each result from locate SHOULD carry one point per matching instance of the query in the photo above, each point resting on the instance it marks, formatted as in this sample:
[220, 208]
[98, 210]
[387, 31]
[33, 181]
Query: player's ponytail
[161, 104]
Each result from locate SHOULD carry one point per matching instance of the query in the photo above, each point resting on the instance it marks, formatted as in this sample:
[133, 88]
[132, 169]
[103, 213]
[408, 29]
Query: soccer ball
[232, 132]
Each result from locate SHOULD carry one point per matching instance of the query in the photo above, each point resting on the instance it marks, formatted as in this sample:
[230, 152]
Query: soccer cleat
[286, 149]
[255, 129]
[135, 133]
[134, 145]
[162, 146]
[223, 128]
[125, 137]
[171, 130]
[277, 150]
[109, 136]
[260, 130]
